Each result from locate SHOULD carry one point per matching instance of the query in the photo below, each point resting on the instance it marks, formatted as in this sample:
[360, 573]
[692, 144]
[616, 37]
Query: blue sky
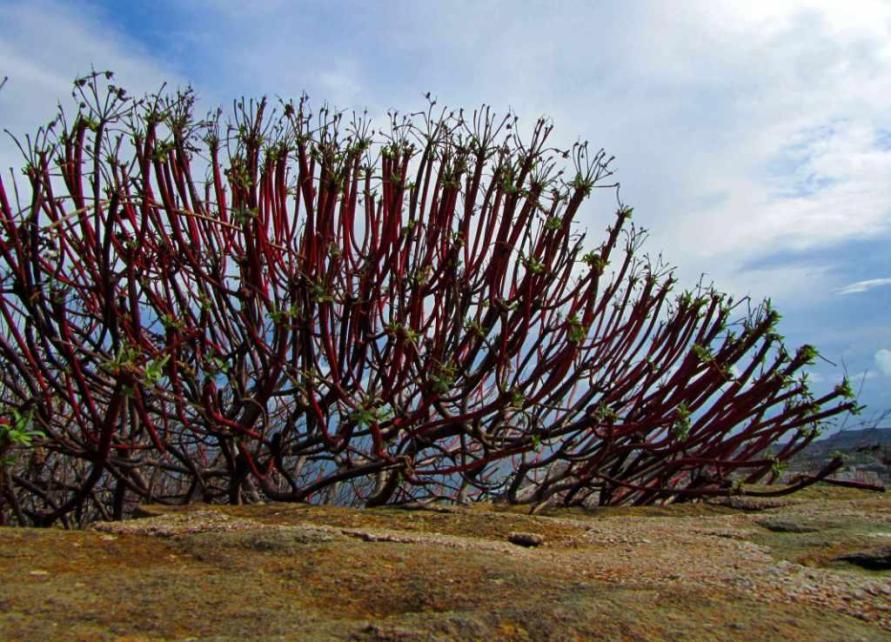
[753, 139]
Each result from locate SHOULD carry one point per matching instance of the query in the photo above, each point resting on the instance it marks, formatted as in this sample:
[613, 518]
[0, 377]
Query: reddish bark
[326, 313]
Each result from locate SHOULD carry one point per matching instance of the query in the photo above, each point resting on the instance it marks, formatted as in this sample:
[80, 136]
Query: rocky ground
[742, 570]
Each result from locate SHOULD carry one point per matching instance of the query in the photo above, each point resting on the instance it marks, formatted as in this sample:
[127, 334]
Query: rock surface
[293, 572]
[529, 540]
[875, 560]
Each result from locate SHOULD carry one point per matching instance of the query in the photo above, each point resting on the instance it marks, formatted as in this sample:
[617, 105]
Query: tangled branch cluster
[293, 306]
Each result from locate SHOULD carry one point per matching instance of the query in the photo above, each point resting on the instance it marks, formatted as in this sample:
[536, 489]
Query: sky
[752, 139]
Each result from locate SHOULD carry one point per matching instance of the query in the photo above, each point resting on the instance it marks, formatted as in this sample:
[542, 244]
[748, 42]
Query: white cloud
[864, 286]
[44, 46]
[756, 91]
[740, 129]
[780, 283]
[883, 361]
[342, 86]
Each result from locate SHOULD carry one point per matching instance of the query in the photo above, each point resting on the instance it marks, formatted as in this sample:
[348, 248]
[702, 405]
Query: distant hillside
[849, 441]
[867, 454]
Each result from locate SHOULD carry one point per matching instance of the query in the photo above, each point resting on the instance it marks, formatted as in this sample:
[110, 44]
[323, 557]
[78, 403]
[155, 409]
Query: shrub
[294, 306]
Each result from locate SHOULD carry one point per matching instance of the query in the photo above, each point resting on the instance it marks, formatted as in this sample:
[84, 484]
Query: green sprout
[242, 215]
[583, 183]
[319, 293]
[577, 331]
[809, 432]
[507, 183]
[702, 353]
[421, 276]
[474, 327]
[844, 389]
[368, 414]
[400, 330]
[536, 443]
[282, 315]
[125, 359]
[777, 467]
[517, 399]
[553, 223]
[595, 261]
[16, 432]
[534, 266]
[680, 428]
[604, 414]
[216, 364]
[443, 379]
[154, 370]
[171, 323]
[807, 354]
